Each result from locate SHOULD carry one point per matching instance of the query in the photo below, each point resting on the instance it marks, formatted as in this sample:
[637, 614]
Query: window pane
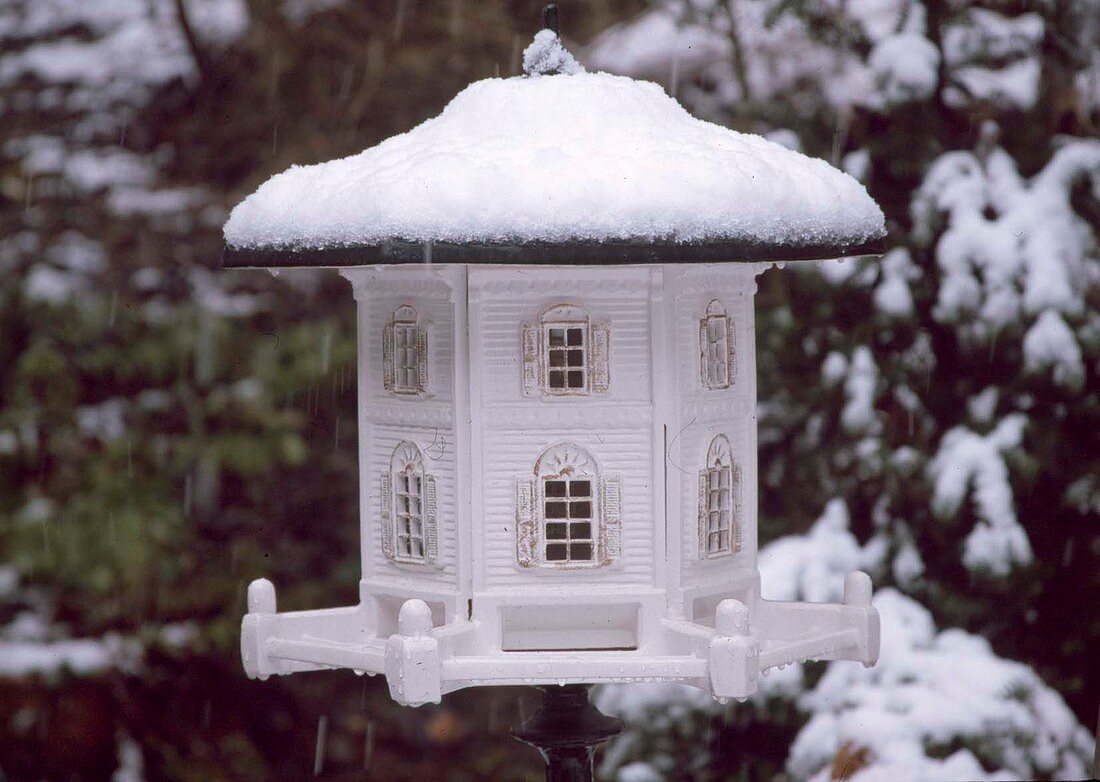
[556, 531]
[576, 336]
[580, 531]
[576, 358]
[580, 551]
[557, 379]
[580, 488]
[557, 337]
[555, 488]
[557, 358]
[580, 510]
[576, 379]
[556, 552]
[556, 510]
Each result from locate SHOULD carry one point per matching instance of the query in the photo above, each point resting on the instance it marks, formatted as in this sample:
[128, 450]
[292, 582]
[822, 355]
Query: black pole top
[551, 20]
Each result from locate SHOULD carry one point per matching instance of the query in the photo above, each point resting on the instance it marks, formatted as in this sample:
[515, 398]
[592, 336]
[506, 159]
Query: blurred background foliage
[169, 431]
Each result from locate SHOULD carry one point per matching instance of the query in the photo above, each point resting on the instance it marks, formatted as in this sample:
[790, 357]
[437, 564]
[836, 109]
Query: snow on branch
[1013, 251]
[966, 463]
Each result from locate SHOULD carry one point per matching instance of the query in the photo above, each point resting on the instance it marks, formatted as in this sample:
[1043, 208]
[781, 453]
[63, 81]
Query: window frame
[399, 521]
[715, 517]
[538, 353]
[567, 461]
[406, 521]
[592, 520]
[405, 337]
[715, 315]
[549, 349]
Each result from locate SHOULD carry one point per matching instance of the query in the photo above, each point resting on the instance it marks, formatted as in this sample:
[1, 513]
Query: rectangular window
[718, 510]
[569, 520]
[566, 358]
[410, 516]
[406, 377]
[717, 352]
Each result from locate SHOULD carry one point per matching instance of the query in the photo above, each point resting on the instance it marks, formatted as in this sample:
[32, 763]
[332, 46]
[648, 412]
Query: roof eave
[578, 253]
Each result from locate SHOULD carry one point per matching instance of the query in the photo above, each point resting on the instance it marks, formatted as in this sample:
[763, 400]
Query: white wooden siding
[436, 445]
[509, 456]
[704, 413]
[510, 430]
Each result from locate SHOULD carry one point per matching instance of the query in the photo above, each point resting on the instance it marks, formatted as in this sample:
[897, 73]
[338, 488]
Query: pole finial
[551, 20]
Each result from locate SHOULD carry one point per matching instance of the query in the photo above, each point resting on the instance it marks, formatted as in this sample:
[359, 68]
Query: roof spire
[546, 55]
[551, 20]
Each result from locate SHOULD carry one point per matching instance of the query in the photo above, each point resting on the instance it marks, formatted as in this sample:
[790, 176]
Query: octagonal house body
[557, 389]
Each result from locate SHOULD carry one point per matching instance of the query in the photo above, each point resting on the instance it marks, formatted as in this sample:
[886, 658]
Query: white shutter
[530, 359]
[704, 375]
[702, 514]
[422, 359]
[731, 344]
[431, 531]
[611, 527]
[387, 356]
[735, 491]
[601, 357]
[527, 528]
[385, 499]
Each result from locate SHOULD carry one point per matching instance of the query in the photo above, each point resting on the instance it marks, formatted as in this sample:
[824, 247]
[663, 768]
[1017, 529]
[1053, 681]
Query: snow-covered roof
[541, 163]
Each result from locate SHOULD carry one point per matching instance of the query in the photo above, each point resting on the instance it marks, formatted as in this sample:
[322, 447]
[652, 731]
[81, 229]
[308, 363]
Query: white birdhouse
[557, 389]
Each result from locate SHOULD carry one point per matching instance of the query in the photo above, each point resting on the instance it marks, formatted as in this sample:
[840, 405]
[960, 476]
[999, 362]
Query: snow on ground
[554, 158]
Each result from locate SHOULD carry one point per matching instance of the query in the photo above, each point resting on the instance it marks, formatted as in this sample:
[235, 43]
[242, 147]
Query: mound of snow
[583, 156]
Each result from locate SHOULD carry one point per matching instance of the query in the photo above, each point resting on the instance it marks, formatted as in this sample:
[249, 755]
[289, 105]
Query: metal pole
[566, 730]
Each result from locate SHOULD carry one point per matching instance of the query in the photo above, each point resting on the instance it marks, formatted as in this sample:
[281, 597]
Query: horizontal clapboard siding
[510, 457]
[705, 413]
[504, 311]
[437, 447]
[435, 312]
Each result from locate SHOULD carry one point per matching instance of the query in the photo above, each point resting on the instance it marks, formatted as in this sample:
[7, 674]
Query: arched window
[716, 347]
[408, 508]
[565, 353]
[405, 353]
[719, 501]
[568, 515]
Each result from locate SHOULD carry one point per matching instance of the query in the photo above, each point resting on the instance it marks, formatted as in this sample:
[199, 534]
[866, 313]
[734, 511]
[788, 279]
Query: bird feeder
[557, 389]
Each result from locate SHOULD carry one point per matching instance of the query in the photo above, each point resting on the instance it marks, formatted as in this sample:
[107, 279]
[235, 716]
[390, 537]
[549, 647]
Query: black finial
[550, 18]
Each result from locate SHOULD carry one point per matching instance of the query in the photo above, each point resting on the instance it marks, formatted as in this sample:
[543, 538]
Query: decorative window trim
[567, 462]
[547, 367]
[715, 321]
[399, 375]
[720, 464]
[407, 463]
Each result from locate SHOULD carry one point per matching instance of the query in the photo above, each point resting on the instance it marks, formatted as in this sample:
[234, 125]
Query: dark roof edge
[579, 253]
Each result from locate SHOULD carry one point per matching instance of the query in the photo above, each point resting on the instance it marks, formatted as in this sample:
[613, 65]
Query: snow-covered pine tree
[946, 392]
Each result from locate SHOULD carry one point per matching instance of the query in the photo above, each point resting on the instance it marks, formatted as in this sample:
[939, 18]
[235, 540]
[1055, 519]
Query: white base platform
[421, 662]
